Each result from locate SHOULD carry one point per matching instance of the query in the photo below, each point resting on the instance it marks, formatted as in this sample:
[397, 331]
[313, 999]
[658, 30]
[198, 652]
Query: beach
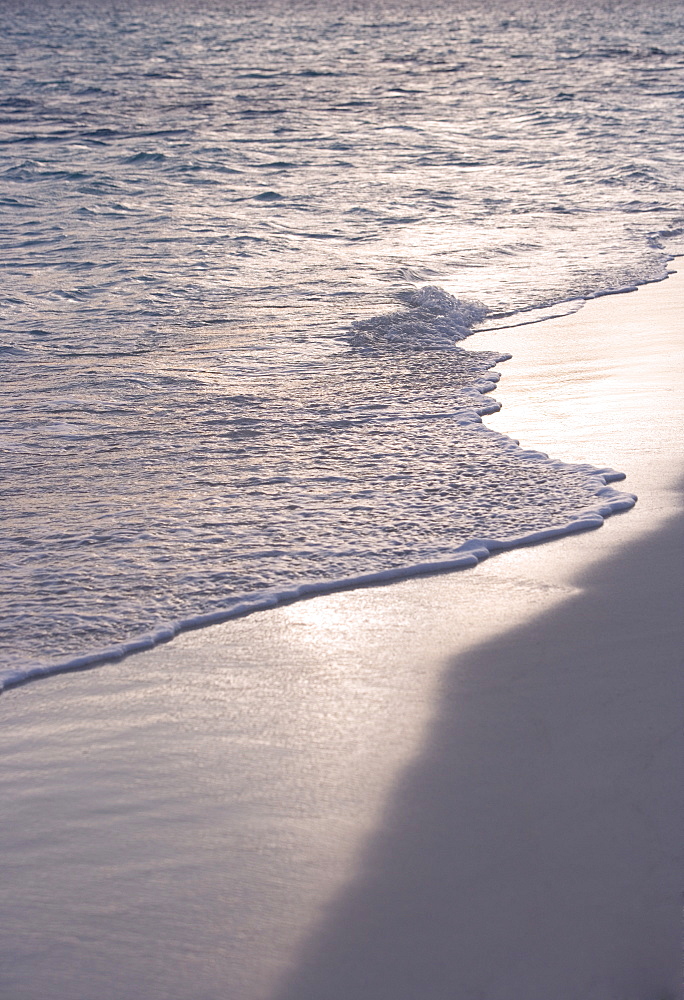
[457, 786]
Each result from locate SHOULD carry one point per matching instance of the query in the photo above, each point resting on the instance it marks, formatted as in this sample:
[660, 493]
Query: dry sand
[460, 787]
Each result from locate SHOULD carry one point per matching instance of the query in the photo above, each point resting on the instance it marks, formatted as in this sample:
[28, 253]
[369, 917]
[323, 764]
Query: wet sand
[460, 786]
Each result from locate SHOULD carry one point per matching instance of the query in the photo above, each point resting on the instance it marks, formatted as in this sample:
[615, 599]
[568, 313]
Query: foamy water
[242, 250]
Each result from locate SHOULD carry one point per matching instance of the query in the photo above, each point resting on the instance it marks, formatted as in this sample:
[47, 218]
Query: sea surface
[242, 247]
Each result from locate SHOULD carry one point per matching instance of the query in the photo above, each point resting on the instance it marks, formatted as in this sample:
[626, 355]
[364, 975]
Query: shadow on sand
[532, 851]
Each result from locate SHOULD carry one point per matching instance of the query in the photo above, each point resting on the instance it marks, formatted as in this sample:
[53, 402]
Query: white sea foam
[605, 501]
[434, 320]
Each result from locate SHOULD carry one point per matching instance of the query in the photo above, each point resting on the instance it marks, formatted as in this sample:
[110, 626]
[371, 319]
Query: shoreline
[459, 784]
[605, 501]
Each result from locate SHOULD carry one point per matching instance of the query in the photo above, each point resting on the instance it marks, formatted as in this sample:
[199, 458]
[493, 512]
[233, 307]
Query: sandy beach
[455, 787]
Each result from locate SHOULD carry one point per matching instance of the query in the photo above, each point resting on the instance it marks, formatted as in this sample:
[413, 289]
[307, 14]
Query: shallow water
[223, 379]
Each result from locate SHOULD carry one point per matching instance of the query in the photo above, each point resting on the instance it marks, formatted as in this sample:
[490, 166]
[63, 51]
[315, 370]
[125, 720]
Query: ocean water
[242, 248]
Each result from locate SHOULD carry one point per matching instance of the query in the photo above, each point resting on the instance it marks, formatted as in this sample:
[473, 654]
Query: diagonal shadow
[532, 851]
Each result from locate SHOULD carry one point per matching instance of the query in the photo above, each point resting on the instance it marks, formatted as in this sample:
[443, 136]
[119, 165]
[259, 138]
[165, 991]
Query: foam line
[466, 556]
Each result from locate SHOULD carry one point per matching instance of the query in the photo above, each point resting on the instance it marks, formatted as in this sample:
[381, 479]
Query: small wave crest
[606, 501]
[434, 320]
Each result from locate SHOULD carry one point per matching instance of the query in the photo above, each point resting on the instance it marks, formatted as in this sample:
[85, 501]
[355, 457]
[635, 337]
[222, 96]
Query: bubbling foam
[435, 320]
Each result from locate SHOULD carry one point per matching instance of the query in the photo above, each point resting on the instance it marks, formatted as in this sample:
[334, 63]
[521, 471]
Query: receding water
[224, 376]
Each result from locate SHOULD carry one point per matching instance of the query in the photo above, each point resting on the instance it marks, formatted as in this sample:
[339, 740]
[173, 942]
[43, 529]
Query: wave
[434, 320]
[606, 501]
